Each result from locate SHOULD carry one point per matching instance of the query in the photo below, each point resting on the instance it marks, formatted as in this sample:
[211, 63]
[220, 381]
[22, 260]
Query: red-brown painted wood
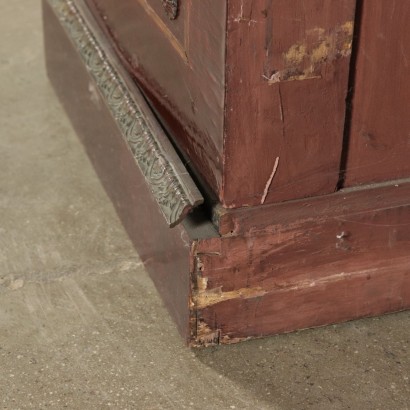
[287, 73]
[379, 141]
[319, 302]
[275, 91]
[311, 270]
[277, 268]
[246, 221]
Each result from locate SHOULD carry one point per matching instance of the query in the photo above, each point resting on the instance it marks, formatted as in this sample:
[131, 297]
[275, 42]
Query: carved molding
[170, 183]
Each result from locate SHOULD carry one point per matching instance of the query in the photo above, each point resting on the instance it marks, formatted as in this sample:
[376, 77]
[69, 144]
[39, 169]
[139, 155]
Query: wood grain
[302, 271]
[245, 221]
[379, 142]
[277, 267]
[275, 89]
[286, 78]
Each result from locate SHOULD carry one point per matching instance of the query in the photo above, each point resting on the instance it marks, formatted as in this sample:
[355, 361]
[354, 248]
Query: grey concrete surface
[81, 325]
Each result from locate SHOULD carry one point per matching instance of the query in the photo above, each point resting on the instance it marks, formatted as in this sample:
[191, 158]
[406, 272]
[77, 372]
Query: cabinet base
[267, 269]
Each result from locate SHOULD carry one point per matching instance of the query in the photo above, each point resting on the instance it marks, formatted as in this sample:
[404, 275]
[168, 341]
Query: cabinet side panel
[287, 76]
[379, 145]
[180, 66]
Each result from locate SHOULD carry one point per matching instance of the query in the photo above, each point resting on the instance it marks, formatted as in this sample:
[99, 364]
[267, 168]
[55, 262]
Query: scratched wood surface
[379, 141]
[245, 221]
[287, 72]
[304, 268]
[259, 117]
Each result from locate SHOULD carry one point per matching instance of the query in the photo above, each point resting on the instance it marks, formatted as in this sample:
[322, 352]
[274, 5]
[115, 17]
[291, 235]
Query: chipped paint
[348, 27]
[227, 340]
[304, 59]
[295, 54]
[207, 297]
[202, 283]
[206, 336]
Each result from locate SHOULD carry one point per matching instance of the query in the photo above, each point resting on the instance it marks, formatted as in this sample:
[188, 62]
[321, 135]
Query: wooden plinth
[251, 272]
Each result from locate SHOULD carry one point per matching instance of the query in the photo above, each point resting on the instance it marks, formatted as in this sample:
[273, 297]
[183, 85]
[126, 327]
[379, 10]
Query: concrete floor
[81, 325]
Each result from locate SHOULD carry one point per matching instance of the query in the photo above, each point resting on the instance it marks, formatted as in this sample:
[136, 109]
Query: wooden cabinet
[277, 116]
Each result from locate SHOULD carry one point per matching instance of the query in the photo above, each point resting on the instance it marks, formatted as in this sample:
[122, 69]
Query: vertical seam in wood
[223, 179]
[350, 94]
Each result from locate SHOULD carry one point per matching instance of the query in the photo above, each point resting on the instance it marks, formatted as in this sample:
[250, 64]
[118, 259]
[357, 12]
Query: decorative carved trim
[170, 183]
[171, 7]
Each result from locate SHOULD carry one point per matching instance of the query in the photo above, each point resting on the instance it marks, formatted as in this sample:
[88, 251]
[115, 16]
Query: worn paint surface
[304, 59]
[207, 297]
[287, 68]
[214, 95]
[304, 264]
